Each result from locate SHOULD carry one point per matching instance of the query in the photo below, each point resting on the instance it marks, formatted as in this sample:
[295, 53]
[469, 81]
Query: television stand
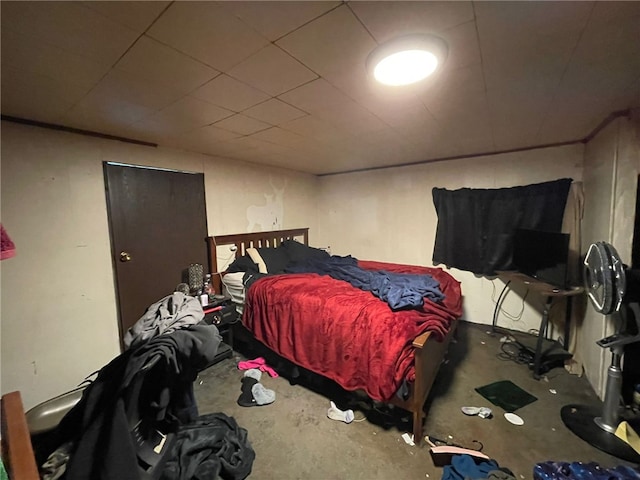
[552, 355]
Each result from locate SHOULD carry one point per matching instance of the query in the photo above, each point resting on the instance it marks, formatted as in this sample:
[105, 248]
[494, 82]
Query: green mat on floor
[506, 395]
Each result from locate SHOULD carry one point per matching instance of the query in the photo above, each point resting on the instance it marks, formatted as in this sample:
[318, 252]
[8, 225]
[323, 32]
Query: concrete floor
[294, 439]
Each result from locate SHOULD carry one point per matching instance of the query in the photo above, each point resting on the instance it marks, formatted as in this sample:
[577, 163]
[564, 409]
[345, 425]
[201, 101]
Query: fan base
[580, 419]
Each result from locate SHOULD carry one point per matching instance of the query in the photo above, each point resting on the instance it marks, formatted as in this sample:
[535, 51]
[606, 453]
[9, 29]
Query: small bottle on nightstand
[206, 291]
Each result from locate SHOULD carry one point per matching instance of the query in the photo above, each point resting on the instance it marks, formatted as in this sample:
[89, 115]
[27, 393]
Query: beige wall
[58, 317]
[611, 167]
[389, 215]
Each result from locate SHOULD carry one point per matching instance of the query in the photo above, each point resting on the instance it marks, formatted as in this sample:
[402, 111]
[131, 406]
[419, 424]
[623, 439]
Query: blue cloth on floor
[464, 466]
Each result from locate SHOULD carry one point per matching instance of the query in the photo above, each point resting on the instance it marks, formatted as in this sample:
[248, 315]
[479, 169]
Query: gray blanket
[171, 313]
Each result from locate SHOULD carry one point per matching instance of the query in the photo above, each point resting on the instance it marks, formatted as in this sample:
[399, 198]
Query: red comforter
[346, 334]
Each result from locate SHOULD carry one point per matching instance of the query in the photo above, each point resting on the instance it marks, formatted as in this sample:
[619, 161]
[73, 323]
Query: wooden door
[158, 227]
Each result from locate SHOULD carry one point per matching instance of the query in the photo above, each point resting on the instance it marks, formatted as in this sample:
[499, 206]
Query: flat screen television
[542, 255]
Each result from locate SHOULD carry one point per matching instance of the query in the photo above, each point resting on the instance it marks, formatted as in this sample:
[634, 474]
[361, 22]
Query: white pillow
[257, 259]
[234, 288]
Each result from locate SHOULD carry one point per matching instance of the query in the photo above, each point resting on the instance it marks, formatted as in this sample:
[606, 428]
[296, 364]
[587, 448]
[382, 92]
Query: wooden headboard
[242, 241]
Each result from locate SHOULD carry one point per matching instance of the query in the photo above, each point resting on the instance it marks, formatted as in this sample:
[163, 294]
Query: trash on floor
[507, 395]
[553, 390]
[513, 418]
[628, 435]
[482, 412]
[408, 439]
[574, 367]
[334, 413]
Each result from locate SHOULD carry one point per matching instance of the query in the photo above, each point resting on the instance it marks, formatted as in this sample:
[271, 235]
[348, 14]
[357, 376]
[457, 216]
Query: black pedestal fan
[612, 290]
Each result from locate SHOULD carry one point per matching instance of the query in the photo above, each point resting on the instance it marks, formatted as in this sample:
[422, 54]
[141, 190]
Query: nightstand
[223, 315]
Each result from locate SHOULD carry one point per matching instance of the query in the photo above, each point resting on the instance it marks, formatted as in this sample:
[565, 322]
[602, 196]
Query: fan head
[604, 276]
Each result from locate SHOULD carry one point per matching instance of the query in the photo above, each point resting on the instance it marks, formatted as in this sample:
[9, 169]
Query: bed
[336, 330]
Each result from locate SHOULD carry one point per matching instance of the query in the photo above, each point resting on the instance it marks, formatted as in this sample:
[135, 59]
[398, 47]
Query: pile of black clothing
[131, 421]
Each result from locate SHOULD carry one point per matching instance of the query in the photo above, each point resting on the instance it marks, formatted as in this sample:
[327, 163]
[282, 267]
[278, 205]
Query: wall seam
[612, 207]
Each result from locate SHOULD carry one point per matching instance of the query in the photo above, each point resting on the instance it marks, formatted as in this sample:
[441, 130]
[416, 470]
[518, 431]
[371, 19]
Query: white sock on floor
[334, 413]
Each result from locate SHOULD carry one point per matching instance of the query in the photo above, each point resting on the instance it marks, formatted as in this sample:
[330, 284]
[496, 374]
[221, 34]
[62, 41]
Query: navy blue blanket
[399, 290]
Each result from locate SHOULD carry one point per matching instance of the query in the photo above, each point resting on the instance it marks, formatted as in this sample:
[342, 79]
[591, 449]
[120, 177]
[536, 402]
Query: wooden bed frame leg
[429, 355]
[418, 418]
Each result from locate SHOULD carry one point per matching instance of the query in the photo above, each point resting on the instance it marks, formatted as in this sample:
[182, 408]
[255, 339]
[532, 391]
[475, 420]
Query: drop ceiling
[284, 83]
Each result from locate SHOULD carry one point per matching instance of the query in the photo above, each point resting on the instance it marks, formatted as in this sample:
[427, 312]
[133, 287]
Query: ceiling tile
[96, 111]
[610, 46]
[137, 15]
[207, 32]
[368, 142]
[527, 24]
[519, 74]
[607, 12]
[205, 138]
[274, 19]
[280, 137]
[542, 37]
[419, 127]
[375, 97]
[125, 86]
[453, 88]
[464, 111]
[464, 50]
[332, 43]
[593, 83]
[152, 61]
[24, 52]
[518, 128]
[14, 81]
[34, 97]
[236, 145]
[148, 131]
[353, 118]
[408, 114]
[580, 107]
[191, 113]
[630, 97]
[242, 124]
[265, 71]
[274, 112]
[230, 93]
[317, 96]
[314, 127]
[386, 20]
[363, 89]
[70, 26]
[573, 120]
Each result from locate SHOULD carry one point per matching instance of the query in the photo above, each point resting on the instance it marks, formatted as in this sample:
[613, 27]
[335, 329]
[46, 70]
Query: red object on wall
[7, 247]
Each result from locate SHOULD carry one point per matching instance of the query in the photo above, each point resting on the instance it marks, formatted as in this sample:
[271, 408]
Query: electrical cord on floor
[515, 352]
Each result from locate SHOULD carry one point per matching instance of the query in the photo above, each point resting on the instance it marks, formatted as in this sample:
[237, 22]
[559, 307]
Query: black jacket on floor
[212, 447]
[147, 390]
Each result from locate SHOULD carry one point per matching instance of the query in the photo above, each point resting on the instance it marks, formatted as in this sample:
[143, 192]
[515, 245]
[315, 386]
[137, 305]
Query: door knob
[125, 257]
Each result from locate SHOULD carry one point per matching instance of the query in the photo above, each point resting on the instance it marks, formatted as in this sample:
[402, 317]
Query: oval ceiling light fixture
[407, 59]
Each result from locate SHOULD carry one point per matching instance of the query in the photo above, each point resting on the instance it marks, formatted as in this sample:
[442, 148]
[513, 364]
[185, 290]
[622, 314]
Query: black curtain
[476, 226]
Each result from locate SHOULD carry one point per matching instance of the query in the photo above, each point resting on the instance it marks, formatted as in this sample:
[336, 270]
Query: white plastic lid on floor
[513, 418]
